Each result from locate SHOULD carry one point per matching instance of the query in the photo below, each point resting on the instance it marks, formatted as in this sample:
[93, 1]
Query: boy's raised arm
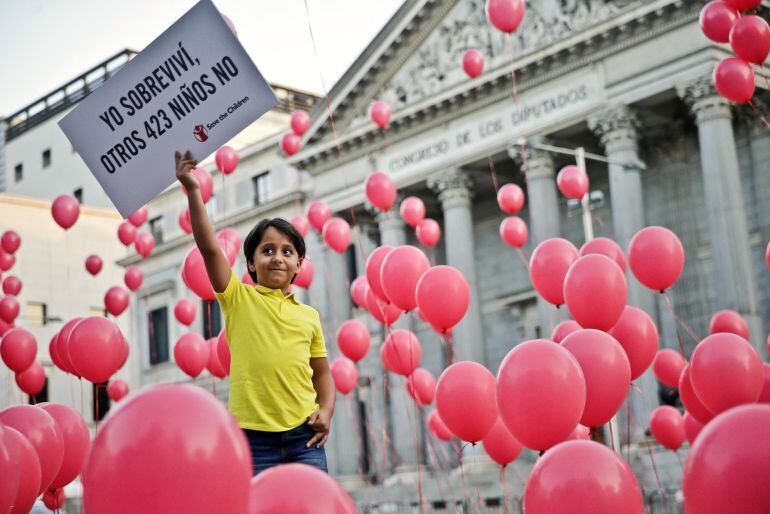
[217, 266]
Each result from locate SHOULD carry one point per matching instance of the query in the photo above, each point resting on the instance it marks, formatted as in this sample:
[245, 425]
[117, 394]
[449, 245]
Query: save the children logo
[200, 133]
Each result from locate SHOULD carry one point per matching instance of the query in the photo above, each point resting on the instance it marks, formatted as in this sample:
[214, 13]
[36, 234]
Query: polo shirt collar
[275, 292]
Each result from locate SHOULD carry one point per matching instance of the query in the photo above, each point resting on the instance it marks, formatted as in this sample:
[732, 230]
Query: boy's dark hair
[255, 237]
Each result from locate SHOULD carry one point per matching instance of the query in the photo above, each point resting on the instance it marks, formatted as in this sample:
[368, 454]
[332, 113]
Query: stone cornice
[452, 186]
[627, 29]
[617, 128]
[534, 163]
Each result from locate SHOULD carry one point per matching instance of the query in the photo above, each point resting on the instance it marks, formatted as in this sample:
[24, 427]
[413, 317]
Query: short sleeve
[317, 345]
[231, 294]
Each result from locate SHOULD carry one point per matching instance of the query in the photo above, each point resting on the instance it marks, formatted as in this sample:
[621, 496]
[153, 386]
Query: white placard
[193, 88]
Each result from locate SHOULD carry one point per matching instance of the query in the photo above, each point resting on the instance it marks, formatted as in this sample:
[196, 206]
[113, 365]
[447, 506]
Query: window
[97, 311]
[36, 313]
[212, 319]
[156, 229]
[46, 157]
[157, 322]
[18, 172]
[259, 183]
[78, 194]
[101, 401]
[42, 396]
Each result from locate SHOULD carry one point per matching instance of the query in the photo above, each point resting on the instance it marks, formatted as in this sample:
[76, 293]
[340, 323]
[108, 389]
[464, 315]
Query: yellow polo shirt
[272, 338]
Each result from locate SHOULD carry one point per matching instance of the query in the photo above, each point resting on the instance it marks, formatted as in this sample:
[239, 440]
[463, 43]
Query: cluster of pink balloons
[513, 230]
[18, 349]
[93, 348]
[749, 37]
[193, 354]
[42, 448]
[291, 142]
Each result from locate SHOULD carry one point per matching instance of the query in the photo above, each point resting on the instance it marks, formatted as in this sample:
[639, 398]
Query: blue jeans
[270, 449]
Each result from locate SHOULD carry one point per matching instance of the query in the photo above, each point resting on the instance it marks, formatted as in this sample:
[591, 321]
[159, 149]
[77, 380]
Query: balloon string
[82, 399]
[96, 408]
[493, 173]
[354, 428]
[679, 460]
[502, 489]
[761, 116]
[450, 347]
[657, 478]
[612, 437]
[522, 257]
[628, 428]
[462, 478]
[417, 446]
[513, 72]
[437, 465]
[676, 326]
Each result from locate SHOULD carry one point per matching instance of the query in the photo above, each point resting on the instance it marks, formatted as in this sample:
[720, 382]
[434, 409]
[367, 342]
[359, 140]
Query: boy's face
[275, 260]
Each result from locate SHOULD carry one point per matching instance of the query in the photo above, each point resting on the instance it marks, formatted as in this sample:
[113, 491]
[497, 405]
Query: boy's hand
[184, 165]
[319, 421]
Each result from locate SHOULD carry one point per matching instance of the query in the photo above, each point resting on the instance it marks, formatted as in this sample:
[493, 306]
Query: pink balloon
[541, 392]
[65, 210]
[380, 190]
[213, 365]
[353, 340]
[204, 181]
[548, 268]
[358, 291]
[726, 372]
[580, 433]
[734, 80]
[428, 232]
[595, 291]
[607, 247]
[94, 348]
[184, 311]
[385, 313]
[305, 275]
[144, 243]
[126, 233]
[9, 308]
[638, 335]
[750, 39]
[24, 458]
[656, 257]
[12, 285]
[400, 272]
[728, 467]
[116, 300]
[412, 211]
[692, 427]
[301, 224]
[9, 470]
[117, 389]
[77, 441]
[290, 143]
[510, 198]
[31, 380]
[300, 122]
[133, 277]
[185, 223]
[318, 214]
[6, 261]
[43, 432]
[138, 218]
[717, 19]
[564, 329]
[443, 296]
[62, 345]
[505, 15]
[514, 232]
[191, 354]
[473, 62]
[93, 264]
[275, 490]
[4, 327]
[421, 386]
[438, 428]
[344, 374]
[402, 352]
[226, 159]
[690, 400]
[374, 271]
[606, 370]
[466, 400]
[764, 397]
[380, 113]
[18, 349]
[10, 241]
[743, 5]
[729, 321]
[668, 366]
[194, 270]
[500, 444]
[207, 469]
[336, 234]
[667, 426]
[558, 482]
[223, 351]
[54, 499]
[572, 182]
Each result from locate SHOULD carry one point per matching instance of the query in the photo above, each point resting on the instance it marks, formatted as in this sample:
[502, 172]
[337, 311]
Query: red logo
[200, 133]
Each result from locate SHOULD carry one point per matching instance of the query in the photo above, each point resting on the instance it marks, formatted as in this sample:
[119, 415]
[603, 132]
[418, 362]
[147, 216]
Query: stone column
[617, 130]
[732, 277]
[454, 191]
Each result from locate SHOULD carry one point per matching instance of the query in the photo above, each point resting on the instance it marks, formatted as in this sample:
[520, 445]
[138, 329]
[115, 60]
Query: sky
[46, 43]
